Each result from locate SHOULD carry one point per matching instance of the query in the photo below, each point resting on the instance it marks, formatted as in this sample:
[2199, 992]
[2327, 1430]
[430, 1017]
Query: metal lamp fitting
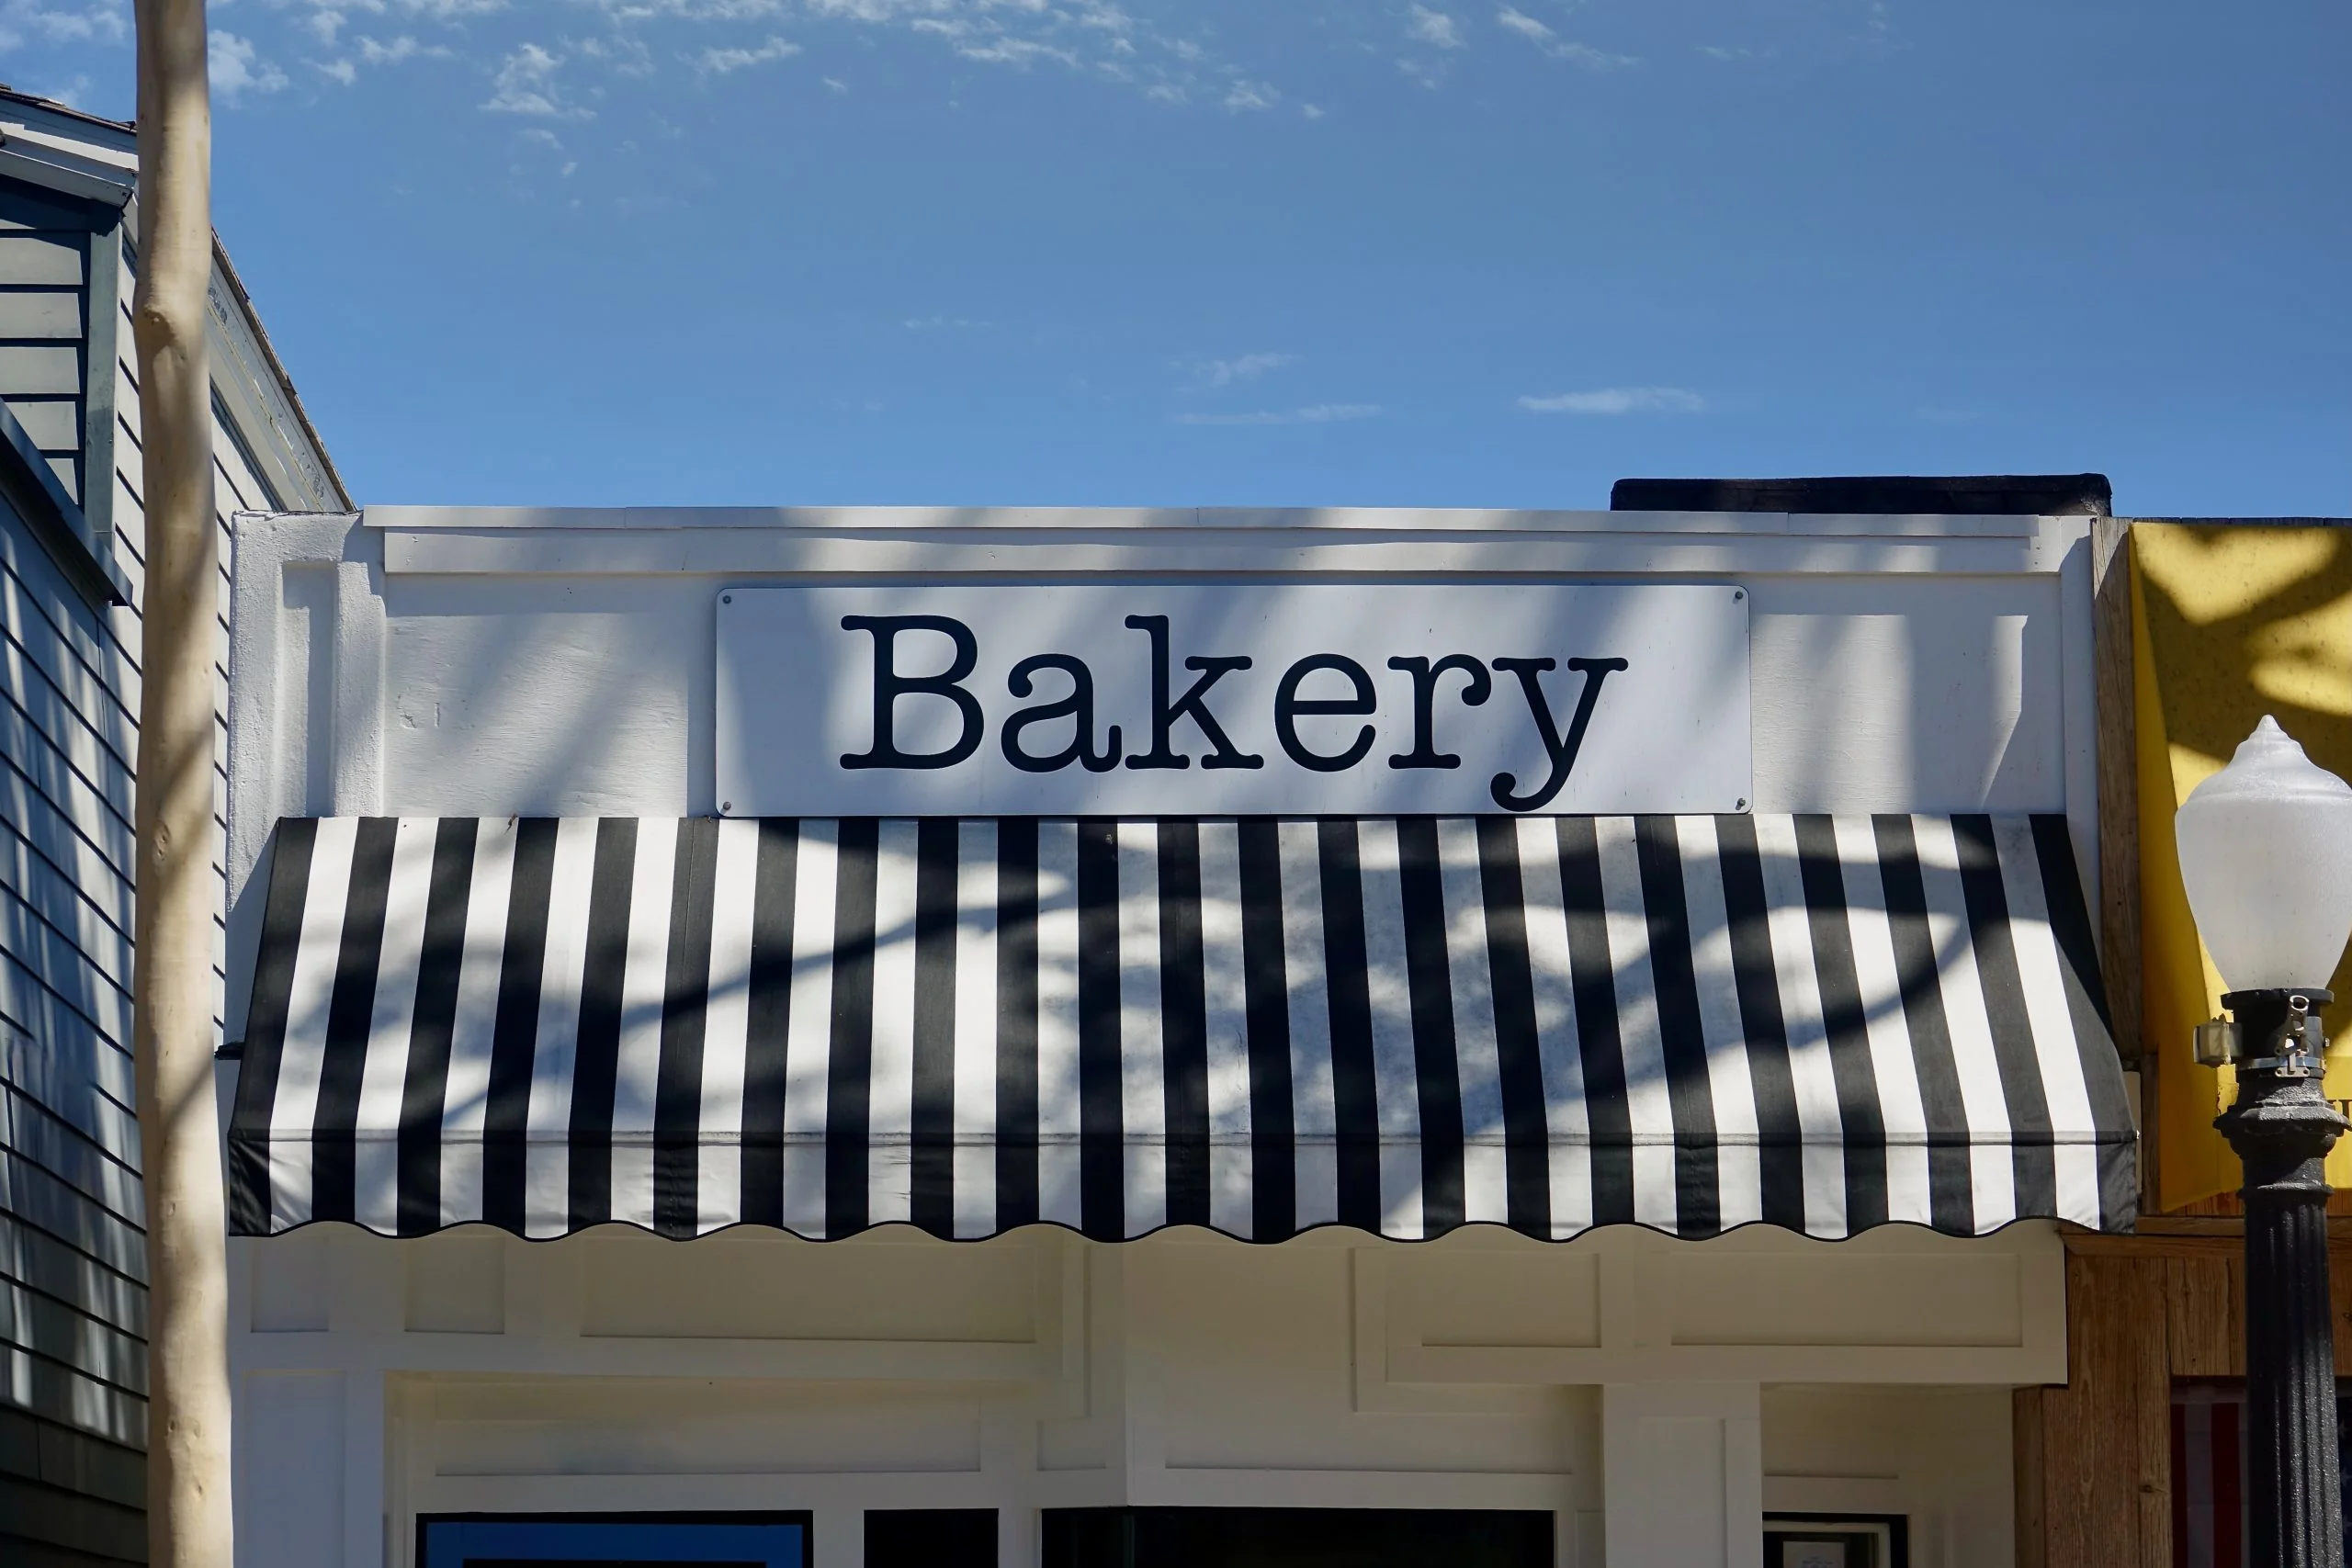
[2281, 1026]
[2216, 1043]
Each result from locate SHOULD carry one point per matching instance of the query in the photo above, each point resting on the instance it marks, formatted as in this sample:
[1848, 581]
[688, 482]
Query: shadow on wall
[2231, 622]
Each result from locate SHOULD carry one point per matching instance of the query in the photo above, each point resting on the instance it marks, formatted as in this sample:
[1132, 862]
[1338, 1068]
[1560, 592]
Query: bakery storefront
[961, 1037]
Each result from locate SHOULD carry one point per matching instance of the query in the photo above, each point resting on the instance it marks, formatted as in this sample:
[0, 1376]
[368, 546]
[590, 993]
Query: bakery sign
[1237, 699]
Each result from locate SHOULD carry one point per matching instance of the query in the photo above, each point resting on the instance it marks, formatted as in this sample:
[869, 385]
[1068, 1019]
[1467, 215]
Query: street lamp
[2266, 853]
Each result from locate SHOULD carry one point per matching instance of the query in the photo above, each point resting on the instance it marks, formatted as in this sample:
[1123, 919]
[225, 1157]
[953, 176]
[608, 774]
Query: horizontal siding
[86, 660]
[48, 1202]
[40, 720]
[71, 1155]
[73, 1265]
[73, 1298]
[68, 1498]
[44, 275]
[35, 258]
[30, 1005]
[236, 487]
[64, 689]
[38, 1261]
[54, 424]
[40, 367]
[47, 959]
[103, 817]
[37, 314]
[56, 1332]
[55, 1392]
[35, 819]
[72, 1306]
[94, 916]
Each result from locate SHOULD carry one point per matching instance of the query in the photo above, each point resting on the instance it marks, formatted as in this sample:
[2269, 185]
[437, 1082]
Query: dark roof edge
[1963, 495]
[33, 490]
[277, 369]
[66, 111]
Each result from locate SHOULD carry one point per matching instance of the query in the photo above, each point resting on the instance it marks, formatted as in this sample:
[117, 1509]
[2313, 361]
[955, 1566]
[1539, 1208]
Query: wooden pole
[188, 1519]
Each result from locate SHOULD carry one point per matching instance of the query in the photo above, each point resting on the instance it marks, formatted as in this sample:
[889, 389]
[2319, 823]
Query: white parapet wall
[1659, 1397]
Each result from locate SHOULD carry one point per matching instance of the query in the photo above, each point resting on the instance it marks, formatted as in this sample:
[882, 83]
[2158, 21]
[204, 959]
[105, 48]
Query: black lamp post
[2281, 1127]
[2265, 854]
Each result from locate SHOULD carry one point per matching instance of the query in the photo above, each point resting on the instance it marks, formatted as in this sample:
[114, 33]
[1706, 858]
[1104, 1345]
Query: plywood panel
[658, 1427]
[289, 1469]
[456, 1284]
[2339, 1281]
[1480, 1298]
[2104, 1437]
[2029, 1454]
[743, 1286]
[1967, 1299]
[2204, 1322]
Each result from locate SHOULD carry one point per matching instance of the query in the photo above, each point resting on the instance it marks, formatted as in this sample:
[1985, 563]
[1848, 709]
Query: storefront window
[2209, 1459]
[1840, 1540]
[639, 1541]
[931, 1538]
[1296, 1538]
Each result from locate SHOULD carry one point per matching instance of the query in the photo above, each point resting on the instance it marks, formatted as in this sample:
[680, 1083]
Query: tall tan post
[189, 1521]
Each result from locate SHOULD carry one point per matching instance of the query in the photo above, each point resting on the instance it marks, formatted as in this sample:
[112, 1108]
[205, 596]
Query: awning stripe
[1259, 1026]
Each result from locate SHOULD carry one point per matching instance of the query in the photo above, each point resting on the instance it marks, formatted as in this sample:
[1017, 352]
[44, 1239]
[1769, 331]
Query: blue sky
[1282, 252]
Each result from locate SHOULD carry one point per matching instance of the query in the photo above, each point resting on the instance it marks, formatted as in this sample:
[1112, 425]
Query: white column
[1682, 1475]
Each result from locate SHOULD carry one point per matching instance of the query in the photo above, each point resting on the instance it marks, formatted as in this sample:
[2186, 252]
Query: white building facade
[735, 1040]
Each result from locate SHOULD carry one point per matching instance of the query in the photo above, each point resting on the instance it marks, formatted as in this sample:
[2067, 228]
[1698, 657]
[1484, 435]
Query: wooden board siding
[44, 313]
[66, 1498]
[2094, 1457]
[73, 1293]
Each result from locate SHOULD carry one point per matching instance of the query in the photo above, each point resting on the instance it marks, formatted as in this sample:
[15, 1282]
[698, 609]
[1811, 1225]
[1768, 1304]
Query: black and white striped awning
[1400, 1024]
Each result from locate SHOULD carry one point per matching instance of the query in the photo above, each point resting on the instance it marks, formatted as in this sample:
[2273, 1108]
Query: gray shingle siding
[72, 1269]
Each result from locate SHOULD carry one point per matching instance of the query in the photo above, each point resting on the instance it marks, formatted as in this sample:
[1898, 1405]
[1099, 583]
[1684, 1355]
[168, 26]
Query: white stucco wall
[474, 1372]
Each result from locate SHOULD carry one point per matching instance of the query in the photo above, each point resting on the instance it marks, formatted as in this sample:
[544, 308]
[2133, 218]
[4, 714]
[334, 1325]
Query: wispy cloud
[1159, 51]
[402, 48]
[944, 324]
[721, 62]
[525, 85]
[1212, 373]
[1316, 413]
[1609, 401]
[1090, 38]
[373, 52]
[73, 92]
[90, 21]
[237, 68]
[1558, 48]
[1435, 28]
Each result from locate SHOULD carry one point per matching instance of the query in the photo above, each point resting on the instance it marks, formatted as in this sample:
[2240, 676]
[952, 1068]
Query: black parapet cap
[1960, 495]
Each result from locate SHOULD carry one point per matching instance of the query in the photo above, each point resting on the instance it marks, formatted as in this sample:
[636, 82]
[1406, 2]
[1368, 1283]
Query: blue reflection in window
[614, 1542]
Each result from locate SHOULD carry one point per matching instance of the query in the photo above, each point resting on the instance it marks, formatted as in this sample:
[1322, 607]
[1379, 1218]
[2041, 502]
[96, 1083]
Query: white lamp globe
[2266, 852]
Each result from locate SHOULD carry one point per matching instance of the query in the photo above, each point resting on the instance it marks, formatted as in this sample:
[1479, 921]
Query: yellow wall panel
[2229, 622]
